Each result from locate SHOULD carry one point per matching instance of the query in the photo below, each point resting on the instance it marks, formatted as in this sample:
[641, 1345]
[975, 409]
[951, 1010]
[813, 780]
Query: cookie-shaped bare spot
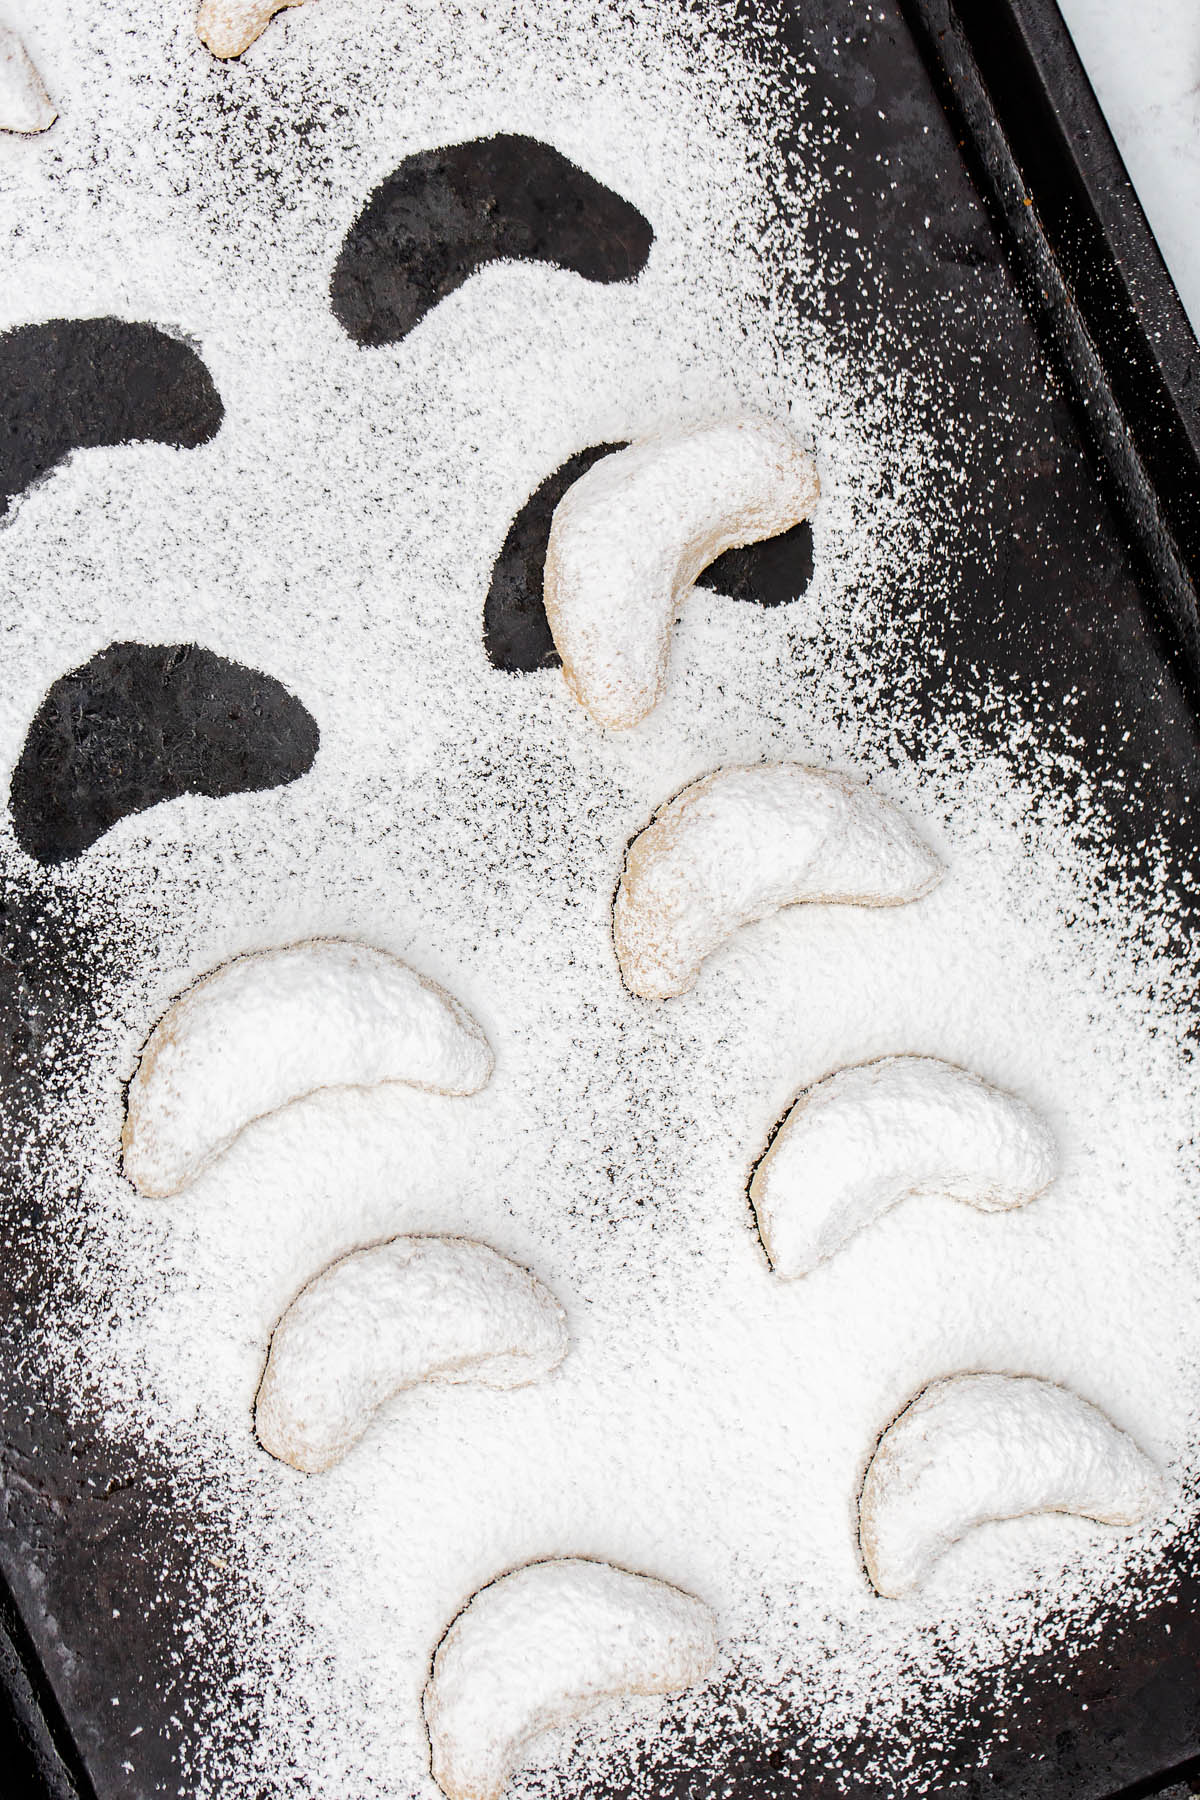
[771, 573]
[856, 1144]
[265, 1030]
[144, 723]
[744, 842]
[76, 384]
[979, 1447]
[544, 1645]
[516, 631]
[631, 535]
[392, 1316]
[445, 213]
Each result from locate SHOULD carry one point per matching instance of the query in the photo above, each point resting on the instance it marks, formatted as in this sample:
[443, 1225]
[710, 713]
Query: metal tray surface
[984, 190]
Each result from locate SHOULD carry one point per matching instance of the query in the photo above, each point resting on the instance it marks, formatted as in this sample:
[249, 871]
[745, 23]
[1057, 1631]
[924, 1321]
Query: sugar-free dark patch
[516, 632]
[141, 723]
[771, 573]
[75, 384]
[444, 213]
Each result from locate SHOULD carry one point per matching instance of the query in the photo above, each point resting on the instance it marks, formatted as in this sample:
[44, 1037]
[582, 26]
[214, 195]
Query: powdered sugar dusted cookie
[228, 27]
[865, 1138]
[25, 106]
[545, 1644]
[740, 844]
[388, 1317]
[979, 1447]
[267, 1029]
[630, 537]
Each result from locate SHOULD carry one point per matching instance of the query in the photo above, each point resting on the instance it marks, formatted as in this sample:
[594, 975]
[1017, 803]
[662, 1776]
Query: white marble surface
[1143, 57]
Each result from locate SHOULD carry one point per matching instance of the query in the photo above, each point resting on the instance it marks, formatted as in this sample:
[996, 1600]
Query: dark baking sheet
[981, 178]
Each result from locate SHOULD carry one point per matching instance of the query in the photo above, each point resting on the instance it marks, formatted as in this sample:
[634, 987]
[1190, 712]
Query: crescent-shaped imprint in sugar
[444, 214]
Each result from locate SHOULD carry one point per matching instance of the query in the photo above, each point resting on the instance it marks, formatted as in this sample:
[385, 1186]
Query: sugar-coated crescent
[265, 1030]
[865, 1138]
[629, 538]
[388, 1317]
[745, 841]
[978, 1447]
[544, 1644]
[227, 27]
[25, 106]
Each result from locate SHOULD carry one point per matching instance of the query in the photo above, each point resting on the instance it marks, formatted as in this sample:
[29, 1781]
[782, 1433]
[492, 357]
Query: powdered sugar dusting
[711, 1425]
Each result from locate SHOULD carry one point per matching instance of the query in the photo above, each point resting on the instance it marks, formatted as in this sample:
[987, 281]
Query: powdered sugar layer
[712, 1425]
